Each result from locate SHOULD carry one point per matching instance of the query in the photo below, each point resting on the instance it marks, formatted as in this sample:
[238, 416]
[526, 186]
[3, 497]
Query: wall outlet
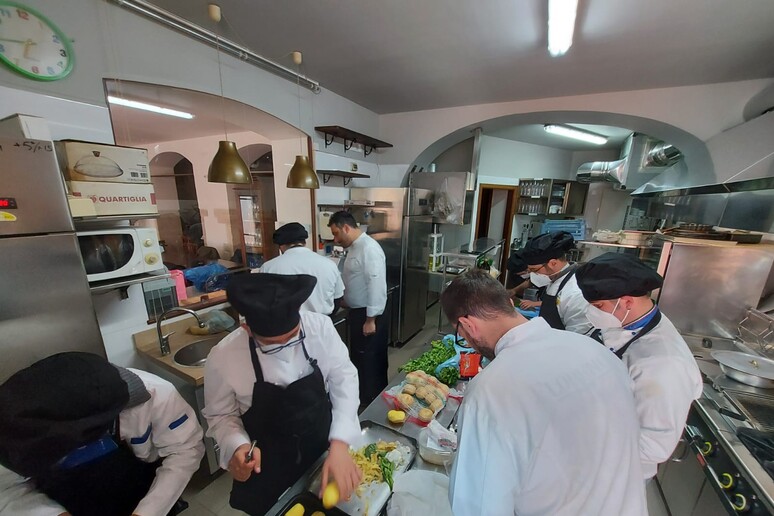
[353, 167]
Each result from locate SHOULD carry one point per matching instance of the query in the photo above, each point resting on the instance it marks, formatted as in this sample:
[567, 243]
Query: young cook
[284, 380]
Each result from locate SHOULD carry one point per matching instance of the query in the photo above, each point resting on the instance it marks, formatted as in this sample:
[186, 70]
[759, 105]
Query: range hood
[642, 159]
[740, 159]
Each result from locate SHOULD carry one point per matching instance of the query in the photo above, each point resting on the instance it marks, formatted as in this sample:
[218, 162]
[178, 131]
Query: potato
[421, 392]
[407, 400]
[436, 405]
[430, 397]
[409, 389]
[426, 415]
[396, 416]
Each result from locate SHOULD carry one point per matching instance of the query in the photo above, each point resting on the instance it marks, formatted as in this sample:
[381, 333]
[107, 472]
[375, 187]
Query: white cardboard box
[116, 198]
[97, 162]
[25, 126]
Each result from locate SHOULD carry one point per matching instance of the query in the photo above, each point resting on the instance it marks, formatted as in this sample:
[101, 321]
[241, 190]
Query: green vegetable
[369, 450]
[429, 360]
[449, 375]
[387, 469]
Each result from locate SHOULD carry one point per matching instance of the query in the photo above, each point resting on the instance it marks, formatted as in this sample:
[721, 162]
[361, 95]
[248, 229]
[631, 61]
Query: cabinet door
[575, 198]
[709, 504]
[682, 483]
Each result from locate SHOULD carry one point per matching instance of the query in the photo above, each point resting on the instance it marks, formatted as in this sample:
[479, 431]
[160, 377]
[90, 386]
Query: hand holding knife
[249, 455]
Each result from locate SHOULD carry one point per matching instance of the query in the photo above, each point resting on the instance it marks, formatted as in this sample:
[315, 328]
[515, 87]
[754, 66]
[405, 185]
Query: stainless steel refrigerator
[400, 220]
[46, 305]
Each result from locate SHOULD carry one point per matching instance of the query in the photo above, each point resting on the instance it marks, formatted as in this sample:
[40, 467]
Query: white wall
[508, 159]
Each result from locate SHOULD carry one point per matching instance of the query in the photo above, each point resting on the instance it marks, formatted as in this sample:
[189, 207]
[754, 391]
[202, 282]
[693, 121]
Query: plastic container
[177, 277]
[430, 454]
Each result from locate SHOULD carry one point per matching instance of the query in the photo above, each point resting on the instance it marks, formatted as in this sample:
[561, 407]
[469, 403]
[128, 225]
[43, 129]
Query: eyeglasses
[530, 268]
[273, 351]
[457, 338]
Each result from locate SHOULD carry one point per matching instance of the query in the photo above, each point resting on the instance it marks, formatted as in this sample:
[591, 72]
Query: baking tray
[375, 496]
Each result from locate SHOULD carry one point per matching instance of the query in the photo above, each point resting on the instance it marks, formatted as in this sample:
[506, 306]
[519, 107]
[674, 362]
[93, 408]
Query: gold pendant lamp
[301, 175]
[227, 166]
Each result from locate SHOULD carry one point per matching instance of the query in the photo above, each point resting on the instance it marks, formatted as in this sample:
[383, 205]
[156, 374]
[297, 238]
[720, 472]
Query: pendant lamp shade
[302, 175]
[228, 166]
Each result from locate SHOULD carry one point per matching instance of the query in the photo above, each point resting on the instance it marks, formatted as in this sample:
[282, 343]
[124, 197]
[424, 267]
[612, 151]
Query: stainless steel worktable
[376, 412]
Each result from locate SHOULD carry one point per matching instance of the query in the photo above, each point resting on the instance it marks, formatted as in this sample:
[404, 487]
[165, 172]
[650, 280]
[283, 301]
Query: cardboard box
[116, 198]
[97, 162]
[25, 126]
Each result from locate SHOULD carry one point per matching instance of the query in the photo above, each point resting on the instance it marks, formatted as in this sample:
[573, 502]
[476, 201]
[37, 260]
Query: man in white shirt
[549, 426]
[296, 258]
[284, 381]
[81, 436]
[562, 304]
[365, 279]
[664, 373]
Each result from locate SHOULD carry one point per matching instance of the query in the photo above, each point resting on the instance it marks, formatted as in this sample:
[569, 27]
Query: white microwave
[119, 252]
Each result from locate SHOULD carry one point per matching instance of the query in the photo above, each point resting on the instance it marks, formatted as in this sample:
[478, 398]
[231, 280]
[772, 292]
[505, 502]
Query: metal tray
[375, 497]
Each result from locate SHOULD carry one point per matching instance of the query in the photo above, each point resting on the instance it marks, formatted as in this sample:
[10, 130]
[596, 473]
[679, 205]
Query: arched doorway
[179, 223]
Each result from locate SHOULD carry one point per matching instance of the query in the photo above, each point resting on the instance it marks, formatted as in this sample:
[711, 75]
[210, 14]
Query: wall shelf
[347, 176]
[350, 138]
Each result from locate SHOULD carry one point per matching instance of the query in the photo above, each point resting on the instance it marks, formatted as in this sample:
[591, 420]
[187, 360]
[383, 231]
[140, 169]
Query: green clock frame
[64, 40]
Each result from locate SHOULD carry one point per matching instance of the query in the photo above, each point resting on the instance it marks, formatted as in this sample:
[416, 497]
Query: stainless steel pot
[748, 369]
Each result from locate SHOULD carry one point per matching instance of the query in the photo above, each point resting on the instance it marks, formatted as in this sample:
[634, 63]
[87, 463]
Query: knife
[249, 455]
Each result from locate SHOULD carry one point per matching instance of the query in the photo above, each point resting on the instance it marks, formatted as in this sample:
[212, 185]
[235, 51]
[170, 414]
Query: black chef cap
[545, 247]
[613, 275]
[516, 263]
[270, 302]
[290, 234]
[56, 405]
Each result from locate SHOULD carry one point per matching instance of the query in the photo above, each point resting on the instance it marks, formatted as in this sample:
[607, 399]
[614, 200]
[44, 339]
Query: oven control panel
[733, 490]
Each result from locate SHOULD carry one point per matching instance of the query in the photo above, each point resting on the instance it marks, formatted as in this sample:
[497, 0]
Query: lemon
[330, 496]
[318, 513]
[296, 510]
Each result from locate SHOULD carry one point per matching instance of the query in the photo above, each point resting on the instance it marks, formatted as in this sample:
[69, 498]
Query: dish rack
[757, 328]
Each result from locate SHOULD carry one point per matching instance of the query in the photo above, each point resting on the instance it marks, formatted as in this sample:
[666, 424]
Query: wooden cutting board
[218, 295]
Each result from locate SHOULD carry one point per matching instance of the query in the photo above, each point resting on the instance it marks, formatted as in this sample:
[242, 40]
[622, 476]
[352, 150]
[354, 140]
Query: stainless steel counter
[377, 412]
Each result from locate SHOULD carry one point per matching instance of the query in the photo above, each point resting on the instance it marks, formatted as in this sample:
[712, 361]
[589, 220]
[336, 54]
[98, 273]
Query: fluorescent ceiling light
[149, 107]
[561, 25]
[577, 134]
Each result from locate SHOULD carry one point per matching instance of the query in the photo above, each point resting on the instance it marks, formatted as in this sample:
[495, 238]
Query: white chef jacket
[571, 304]
[229, 379]
[365, 276]
[302, 260]
[163, 427]
[665, 381]
[548, 428]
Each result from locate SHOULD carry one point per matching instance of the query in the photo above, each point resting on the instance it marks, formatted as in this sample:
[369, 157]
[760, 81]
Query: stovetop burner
[761, 446]
[759, 409]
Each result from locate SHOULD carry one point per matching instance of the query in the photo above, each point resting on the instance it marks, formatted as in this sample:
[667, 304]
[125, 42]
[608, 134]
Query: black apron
[112, 484]
[645, 330]
[291, 426]
[549, 310]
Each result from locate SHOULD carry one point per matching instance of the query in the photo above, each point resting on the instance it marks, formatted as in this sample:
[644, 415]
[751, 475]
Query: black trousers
[368, 353]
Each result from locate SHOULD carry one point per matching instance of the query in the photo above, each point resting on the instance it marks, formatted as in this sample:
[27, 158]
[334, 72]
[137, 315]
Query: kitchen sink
[195, 353]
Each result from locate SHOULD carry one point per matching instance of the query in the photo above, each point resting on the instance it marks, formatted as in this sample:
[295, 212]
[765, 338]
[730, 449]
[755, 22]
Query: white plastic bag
[420, 492]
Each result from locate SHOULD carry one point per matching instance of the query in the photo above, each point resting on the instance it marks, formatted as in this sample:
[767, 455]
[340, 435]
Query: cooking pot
[748, 369]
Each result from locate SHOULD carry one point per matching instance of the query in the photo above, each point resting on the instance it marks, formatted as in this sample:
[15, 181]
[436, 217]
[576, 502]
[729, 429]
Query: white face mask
[525, 276]
[539, 280]
[604, 320]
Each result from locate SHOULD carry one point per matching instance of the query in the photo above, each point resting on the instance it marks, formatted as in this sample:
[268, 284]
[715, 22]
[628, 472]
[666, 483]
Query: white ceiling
[405, 55]
[135, 127]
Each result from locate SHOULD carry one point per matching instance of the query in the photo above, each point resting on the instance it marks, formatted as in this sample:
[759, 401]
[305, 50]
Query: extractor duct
[642, 158]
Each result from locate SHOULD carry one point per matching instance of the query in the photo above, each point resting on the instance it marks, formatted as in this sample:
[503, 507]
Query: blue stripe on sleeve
[177, 422]
[142, 438]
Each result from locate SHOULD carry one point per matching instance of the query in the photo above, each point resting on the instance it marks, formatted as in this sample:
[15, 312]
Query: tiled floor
[208, 495]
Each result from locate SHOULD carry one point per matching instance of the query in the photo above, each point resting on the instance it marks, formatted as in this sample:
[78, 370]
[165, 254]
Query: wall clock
[31, 45]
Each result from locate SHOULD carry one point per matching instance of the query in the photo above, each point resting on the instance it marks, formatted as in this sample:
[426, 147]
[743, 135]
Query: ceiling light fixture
[561, 25]
[227, 166]
[301, 174]
[148, 107]
[576, 134]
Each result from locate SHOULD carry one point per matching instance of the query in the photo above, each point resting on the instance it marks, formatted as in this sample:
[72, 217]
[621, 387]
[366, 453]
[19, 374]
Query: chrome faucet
[164, 339]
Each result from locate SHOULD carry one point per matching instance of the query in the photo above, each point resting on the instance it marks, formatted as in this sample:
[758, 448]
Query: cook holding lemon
[285, 381]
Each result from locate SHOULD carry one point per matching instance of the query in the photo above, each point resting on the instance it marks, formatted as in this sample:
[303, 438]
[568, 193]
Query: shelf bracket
[351, 143]
[326, 178]
[366, 150]
[327, 142]
[347, 180]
